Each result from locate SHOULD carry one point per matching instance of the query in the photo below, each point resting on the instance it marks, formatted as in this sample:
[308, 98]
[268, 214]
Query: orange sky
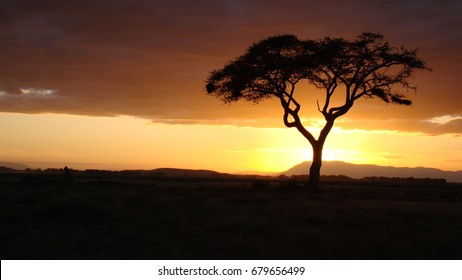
[121, 85]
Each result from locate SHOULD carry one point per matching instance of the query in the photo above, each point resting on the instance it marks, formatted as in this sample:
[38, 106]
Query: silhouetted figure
[67, 175]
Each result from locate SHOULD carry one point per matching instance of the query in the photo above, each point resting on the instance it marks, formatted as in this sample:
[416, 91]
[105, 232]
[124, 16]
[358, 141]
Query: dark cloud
[150, 58]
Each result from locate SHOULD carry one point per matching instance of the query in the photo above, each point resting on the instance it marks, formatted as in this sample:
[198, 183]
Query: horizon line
[127, 167]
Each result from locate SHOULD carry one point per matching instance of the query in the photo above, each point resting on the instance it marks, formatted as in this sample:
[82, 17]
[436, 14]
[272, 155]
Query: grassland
[44, 217]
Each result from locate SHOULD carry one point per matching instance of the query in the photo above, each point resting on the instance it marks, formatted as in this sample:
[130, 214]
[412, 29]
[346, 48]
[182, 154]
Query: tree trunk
[315, 169]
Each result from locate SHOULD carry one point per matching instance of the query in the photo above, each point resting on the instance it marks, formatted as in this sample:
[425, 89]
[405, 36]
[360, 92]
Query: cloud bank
[150, 58]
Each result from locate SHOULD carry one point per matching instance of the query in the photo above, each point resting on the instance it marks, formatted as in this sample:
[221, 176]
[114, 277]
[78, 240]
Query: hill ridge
[13, 165]
[359, 171]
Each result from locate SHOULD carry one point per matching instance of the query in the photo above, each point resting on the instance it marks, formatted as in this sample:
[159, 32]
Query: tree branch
[296, 119]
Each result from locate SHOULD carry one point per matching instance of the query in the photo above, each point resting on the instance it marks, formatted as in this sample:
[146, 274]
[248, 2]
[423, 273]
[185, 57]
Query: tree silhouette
[365, 67]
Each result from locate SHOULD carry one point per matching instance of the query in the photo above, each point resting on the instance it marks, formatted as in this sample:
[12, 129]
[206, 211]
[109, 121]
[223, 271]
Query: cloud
[150, 58]
[451, 126]
[26, 93]
[445, 119]
[38, 92]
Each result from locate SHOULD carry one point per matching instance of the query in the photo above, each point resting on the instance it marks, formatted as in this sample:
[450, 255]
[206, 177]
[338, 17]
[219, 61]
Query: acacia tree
[365, 67]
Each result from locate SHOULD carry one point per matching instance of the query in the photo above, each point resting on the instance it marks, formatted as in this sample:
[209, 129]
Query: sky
[120, 84]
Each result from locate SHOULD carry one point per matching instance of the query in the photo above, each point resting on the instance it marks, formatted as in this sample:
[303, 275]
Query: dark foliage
[367, 66]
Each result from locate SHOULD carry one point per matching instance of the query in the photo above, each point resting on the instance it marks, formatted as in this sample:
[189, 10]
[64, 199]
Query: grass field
[193, 218]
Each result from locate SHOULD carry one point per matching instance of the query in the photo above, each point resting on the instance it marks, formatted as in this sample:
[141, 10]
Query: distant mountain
[13, 165]
[370, 170]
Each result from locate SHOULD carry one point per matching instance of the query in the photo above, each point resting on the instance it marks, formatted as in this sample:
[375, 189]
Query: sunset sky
[120, 85]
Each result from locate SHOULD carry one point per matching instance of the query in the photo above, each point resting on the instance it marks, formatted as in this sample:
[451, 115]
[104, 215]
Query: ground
[50, 217]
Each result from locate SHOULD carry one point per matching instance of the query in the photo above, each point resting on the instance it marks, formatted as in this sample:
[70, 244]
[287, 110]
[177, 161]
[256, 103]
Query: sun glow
[53, 140]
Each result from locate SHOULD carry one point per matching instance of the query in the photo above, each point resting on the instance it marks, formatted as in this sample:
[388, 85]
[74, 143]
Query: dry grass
[195, 219]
